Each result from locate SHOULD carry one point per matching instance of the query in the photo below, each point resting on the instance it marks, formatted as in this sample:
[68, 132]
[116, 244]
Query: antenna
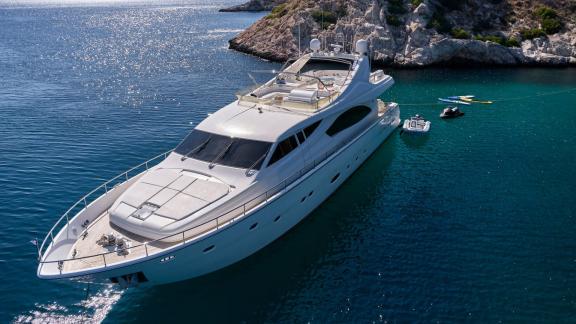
[322, 26]
[252, 78]
[299, 38]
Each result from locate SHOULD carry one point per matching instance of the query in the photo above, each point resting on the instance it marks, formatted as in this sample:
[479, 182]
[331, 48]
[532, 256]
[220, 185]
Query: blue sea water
[475, 223]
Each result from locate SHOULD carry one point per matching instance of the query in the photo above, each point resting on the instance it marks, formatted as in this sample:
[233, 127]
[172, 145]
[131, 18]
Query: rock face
[254, 5]
[411, 37]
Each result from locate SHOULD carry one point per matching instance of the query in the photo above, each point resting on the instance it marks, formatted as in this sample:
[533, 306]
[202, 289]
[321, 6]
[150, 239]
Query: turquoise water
[474, 223]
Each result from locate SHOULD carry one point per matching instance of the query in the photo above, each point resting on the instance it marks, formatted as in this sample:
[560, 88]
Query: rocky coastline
[420, 33]
[254, 6]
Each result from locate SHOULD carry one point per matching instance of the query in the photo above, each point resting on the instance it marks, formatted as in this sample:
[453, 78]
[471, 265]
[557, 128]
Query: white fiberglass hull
[274, 218]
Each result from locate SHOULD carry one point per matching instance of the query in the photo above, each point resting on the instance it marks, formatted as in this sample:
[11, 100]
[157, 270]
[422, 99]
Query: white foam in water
[92, 310]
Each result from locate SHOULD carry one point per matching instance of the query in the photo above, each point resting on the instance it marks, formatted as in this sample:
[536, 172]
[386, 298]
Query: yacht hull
[259, 228]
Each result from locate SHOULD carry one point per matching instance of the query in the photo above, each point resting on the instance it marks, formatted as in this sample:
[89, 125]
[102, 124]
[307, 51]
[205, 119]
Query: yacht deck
[86, 253]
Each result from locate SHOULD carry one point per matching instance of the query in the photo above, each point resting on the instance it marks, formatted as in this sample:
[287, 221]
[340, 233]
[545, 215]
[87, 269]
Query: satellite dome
[362, 46]
[315, 44]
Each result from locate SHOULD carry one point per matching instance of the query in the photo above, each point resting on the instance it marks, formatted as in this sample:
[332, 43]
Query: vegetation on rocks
[508, 42]
[421, 32]
[549, 19]
[416, 3]
[532, 33]
[439, 22]
[459, 33]
[324, 18]
[278, 11]
[396, 7]
[393, 20]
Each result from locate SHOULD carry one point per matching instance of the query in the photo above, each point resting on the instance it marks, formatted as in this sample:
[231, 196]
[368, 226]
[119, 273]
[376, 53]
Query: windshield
[224, 150]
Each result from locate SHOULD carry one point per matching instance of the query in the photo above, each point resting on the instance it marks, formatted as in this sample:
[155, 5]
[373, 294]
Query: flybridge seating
[311, 83]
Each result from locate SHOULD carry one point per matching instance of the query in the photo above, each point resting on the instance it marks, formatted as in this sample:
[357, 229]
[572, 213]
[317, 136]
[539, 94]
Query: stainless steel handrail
[85, 197]
[271, 192]
[264, 197]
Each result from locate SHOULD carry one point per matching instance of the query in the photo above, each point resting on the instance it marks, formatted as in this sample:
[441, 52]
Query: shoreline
[411, 43]
[454, 64]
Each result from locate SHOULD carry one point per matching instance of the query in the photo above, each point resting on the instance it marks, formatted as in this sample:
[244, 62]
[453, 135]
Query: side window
[283, 148]
[301, 137]
[347, 119]
[310, 129]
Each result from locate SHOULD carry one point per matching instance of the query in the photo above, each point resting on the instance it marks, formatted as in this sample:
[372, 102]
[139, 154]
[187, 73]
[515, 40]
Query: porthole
[277, 218]
[168, 258]
[348, 166]
[334, 178]
[253, 226]
[310, 193]
[356, 158]
[208, 249]
[302, 200]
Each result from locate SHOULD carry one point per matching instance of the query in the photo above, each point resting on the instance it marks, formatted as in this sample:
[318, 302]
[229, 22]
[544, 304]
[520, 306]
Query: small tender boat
[451, 112]
[460, 102]
[416, 125]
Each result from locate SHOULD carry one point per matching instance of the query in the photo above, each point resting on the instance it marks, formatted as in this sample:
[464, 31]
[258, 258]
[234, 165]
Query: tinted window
[245, 154]
[224, 150]
[320, 64]
[347, 119]
[283, 148]
[310, 129]
[301, 137]
[194, 141]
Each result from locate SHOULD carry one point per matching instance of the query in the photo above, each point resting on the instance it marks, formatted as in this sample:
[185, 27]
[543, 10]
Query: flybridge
[309, 84]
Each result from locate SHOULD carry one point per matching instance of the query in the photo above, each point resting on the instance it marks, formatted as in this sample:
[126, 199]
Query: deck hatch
[145, 210]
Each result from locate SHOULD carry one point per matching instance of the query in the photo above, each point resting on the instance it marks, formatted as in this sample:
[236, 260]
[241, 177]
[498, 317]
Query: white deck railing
[85, 200]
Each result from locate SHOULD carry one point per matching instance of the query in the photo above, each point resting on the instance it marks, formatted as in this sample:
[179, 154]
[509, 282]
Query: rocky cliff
[254, 5]
[413, 33]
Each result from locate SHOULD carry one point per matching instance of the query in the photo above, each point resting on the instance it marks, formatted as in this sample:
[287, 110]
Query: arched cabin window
[347, 119]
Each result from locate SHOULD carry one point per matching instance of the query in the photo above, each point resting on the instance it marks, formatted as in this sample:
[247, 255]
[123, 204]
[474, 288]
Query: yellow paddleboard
[475, 101]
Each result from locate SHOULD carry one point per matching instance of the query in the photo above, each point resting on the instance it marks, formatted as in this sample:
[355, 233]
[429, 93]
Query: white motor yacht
[242, 178]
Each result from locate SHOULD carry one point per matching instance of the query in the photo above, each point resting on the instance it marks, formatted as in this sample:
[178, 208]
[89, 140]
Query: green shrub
[439, 22]
[393, 20]
[551, 26]
[416, 3]
[551, 23]
[324, 18]
[532, 33]
[396, 7]
[512, 42]
[546, 13]
[460, 33]
[278, 11]
[491, 38]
